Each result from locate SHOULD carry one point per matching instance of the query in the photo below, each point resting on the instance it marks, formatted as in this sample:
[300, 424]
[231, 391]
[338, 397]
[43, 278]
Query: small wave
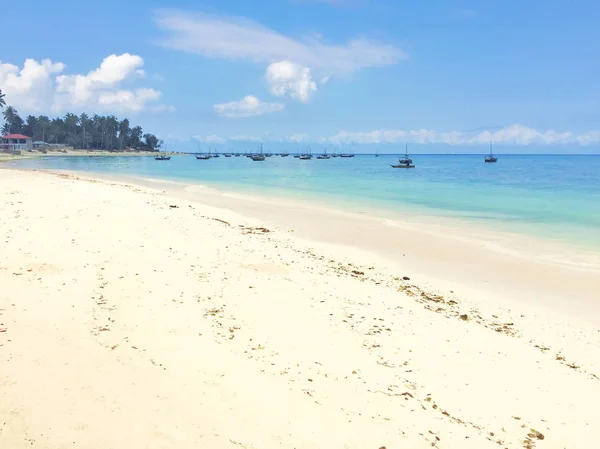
[160, 181]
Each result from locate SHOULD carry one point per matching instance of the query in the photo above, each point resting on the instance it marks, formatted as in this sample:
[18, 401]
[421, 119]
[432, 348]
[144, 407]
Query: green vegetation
[2, 102]
[98, 132]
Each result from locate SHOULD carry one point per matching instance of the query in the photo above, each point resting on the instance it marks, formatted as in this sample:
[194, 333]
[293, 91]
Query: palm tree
[71, 121]
[31, 127]
[123, 132]
[151, 141]
[135, 137]
[85, 121]
[58, 130]
[83, 131]
[97, 136]
[44, 124]
[13, 122]
[112, 127]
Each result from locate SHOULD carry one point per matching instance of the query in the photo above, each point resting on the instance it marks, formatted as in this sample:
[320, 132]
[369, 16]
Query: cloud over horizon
[516, 134]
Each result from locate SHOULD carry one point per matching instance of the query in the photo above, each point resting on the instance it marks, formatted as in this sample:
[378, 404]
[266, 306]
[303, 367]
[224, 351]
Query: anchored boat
[491, 158]
[258, 157]
[405, 161]
[324, 155]
[162, 156]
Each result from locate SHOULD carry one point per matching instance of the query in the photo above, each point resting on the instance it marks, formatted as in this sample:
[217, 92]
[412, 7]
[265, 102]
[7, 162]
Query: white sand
[127, 323]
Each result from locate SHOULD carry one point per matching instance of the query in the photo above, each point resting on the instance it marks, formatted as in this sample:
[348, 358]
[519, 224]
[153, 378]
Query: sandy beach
[147, 316]
[5, 157]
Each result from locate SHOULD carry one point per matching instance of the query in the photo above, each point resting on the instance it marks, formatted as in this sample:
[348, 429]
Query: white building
[16, 142]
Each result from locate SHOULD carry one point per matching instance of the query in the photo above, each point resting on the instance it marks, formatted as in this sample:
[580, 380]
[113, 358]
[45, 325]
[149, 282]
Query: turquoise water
[552, 196]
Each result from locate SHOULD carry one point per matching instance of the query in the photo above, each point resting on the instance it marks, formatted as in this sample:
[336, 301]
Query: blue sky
[449, 75]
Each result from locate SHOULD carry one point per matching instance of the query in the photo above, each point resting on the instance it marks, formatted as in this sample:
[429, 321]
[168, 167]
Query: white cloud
[220, 139]
[299, 137]
[42, 86]
[242, 138]
[209, 139]
[162, 108]
[32, 87]
[239, 38]
[249, 106]
[134, 100]
[100, 86]
[589, 138]
[287, 78]
[513, 135]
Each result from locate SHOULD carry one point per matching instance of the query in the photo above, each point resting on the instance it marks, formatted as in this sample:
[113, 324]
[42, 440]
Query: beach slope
[131, 318]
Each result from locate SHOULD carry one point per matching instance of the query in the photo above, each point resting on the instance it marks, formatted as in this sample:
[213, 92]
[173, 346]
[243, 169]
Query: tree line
[79, 131]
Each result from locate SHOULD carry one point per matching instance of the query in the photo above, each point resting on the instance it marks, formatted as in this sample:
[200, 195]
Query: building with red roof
[16, 136]
[16, 142]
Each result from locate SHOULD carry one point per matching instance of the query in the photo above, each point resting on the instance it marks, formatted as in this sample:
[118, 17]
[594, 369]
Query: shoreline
[508, 232]
[440, 255]
[456, 228]
[487, 233]
[465, 253]
[219, 328]
[69, 152]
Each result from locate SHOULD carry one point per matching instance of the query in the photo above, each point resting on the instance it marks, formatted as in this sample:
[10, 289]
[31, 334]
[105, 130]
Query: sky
[444, 76]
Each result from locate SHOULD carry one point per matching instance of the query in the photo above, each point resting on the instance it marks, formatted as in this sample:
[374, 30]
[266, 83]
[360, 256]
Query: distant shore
[80, 153]
[217, 324]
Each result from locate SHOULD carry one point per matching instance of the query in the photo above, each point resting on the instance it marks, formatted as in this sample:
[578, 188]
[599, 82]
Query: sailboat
[347, 155]
[258, 157]
[491, 157]
[306, 156]
[404, 162]
[324, 155]
[377, 154]
[162, 156]
[202, 156]
[405, 159]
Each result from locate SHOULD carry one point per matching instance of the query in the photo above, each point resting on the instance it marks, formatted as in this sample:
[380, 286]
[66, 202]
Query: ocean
[548, 196]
